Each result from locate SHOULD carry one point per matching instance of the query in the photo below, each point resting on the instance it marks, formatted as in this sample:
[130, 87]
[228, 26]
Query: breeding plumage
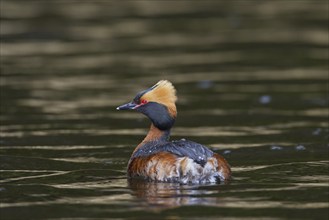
[158, 159]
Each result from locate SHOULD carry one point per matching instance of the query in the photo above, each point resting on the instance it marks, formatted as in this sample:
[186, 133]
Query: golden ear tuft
[163, 92]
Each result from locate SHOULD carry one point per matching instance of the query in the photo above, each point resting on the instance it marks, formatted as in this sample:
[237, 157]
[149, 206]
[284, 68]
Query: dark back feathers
[181, 148]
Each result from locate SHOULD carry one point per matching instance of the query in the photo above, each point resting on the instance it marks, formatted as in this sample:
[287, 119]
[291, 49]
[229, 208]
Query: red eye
[143, 101]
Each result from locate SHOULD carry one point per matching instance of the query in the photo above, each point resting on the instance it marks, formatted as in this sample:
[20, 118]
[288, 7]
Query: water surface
[252, 81]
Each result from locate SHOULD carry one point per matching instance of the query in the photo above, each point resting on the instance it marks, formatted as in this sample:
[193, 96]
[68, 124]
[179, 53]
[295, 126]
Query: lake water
[252, 82]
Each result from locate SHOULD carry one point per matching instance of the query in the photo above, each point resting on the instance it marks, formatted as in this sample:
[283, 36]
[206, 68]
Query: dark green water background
[252, 81]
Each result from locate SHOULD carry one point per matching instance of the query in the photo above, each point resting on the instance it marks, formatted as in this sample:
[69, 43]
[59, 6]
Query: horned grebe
[158, 159]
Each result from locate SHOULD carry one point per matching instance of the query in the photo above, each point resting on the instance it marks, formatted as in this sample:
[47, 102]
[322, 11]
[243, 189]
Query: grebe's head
[157, 103]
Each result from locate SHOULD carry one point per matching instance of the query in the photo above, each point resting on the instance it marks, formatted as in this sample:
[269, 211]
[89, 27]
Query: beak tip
[127, 106]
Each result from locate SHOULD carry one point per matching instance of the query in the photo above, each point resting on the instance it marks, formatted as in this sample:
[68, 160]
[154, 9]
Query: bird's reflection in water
[168, 195]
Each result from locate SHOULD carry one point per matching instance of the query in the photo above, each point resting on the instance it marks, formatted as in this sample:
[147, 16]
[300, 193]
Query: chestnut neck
[155, 134]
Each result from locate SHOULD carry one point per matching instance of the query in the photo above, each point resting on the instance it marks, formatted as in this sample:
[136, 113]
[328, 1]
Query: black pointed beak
[127, 106]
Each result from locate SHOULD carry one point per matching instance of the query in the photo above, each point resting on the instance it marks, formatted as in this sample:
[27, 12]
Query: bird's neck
[155, 134]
